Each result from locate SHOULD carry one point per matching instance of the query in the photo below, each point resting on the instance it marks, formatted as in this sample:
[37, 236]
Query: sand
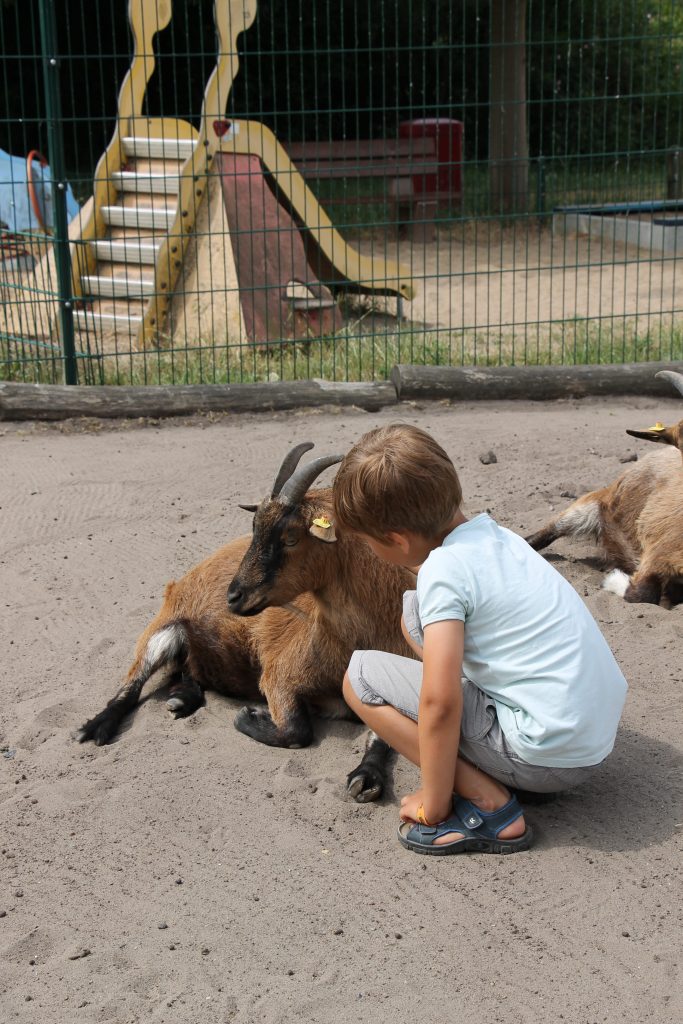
[186, 874]
[535, 292]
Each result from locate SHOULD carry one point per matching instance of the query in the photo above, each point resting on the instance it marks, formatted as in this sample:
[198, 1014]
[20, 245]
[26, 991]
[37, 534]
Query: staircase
[148, 185]
[123, 267]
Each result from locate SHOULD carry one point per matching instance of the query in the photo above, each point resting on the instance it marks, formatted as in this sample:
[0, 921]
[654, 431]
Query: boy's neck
[458, 520]
[424, 546]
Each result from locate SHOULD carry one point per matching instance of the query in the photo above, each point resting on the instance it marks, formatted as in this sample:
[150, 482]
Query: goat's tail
[163, 646]
[156, 649]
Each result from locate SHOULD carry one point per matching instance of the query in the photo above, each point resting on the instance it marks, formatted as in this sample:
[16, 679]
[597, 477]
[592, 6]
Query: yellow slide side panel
[252, 137]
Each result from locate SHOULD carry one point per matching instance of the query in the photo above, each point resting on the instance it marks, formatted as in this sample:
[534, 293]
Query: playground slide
[127, 276]
[373, 273]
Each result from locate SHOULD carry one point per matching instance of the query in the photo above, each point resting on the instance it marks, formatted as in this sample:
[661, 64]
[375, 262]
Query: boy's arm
[439, 715]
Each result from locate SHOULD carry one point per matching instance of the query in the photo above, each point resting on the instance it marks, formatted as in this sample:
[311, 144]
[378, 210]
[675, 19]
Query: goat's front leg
[286, 722]
[367, 781]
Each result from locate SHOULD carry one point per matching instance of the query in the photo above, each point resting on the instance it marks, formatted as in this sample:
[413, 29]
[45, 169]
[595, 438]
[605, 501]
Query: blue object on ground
[16, 211]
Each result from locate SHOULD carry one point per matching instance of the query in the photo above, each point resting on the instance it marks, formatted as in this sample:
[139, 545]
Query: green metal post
[53, 107]
[540, 188]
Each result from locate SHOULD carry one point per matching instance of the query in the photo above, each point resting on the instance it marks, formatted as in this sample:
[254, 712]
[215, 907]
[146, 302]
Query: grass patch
[356, 355]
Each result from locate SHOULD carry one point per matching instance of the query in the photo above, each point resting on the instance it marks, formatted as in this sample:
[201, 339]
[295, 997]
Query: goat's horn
[675, 378]
[289, 464]
[297, 485]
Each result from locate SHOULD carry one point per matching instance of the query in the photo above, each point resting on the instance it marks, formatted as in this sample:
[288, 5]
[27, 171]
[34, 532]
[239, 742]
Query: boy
[516, 688]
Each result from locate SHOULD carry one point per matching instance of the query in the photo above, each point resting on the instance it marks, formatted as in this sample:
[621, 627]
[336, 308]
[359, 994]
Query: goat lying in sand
[637, 519]
[277, 615]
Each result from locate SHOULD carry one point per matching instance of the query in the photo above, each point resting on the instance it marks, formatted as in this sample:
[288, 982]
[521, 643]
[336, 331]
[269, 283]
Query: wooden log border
[525, 383]
[58, 402]
[530, 383]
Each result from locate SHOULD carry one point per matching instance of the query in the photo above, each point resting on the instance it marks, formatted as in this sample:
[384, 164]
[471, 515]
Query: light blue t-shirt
[530, 643]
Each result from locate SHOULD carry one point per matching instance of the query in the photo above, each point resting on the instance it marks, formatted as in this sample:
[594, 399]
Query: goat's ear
[659, 433]
[248, 508]
[323, 529]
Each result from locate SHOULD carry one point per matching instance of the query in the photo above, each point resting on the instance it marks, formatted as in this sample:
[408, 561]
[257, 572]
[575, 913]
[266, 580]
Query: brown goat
[277, 615]
[637, 519]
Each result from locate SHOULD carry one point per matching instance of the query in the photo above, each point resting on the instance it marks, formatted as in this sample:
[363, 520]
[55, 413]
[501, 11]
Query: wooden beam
[530, 383]
[58, 402]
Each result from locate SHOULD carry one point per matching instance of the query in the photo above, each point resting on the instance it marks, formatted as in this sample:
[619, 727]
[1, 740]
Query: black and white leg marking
[163, 647]
[367, 781]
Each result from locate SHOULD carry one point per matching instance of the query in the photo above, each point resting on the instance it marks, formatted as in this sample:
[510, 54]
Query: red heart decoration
[221, 128]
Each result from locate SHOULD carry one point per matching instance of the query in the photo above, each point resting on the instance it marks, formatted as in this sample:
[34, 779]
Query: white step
[86, 321]
[118, 287]
[138, 217]
[131, 181]
[126, 251]
[159, 149]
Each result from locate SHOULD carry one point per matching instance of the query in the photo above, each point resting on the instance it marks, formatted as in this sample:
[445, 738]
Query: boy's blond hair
[396, 478]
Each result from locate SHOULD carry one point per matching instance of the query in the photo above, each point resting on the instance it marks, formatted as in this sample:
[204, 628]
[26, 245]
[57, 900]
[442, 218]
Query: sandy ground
[187, 874]
[519, 277]
[519, 289]
[520, 285]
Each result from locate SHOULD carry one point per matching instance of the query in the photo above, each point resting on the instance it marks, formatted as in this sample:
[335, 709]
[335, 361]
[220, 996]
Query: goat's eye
[290, 540]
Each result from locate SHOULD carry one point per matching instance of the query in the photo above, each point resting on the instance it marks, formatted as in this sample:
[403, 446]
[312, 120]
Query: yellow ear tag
[324, 523]
[657, 426]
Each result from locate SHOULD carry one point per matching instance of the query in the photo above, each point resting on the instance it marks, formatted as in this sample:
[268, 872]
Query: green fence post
[540, 188]
[53, 107]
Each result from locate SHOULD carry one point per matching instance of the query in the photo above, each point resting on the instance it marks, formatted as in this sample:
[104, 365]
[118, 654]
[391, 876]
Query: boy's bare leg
[400, 732]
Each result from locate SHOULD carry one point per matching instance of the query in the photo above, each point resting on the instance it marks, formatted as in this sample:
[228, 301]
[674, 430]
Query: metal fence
[194, 191]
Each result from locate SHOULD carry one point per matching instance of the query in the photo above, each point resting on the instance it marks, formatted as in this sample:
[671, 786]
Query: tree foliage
[604, 76]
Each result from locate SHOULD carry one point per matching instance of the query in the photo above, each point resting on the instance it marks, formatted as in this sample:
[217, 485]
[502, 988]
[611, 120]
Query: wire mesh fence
[194, 191]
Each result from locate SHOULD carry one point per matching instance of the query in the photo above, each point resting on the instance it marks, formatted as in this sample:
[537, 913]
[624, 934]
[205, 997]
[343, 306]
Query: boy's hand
[410, 804]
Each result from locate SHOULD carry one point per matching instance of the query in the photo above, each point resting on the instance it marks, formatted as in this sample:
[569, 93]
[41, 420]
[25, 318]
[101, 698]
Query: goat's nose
[234, 596]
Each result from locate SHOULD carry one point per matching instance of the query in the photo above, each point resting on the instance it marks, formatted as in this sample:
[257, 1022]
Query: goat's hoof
[258, 724]
[184, 698]
[365, 784]
[101, 729]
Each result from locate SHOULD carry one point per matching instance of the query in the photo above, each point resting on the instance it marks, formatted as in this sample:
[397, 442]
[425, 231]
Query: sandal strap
[491, 821]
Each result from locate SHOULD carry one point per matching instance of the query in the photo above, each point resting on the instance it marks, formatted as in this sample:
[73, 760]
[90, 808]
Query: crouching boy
[516, 687]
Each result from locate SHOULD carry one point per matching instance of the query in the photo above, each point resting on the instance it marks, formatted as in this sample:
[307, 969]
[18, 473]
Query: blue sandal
[479, 831]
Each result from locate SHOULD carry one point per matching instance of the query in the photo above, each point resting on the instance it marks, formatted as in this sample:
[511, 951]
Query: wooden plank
[355, 149]
[530, 383]
[408, 198]
[366, 169]
[58, 402]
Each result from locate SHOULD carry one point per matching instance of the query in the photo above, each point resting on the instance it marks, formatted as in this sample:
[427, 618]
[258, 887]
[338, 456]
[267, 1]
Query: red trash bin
[448, 134]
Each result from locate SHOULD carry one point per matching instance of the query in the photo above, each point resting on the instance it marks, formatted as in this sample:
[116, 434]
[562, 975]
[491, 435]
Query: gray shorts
[380, 678]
